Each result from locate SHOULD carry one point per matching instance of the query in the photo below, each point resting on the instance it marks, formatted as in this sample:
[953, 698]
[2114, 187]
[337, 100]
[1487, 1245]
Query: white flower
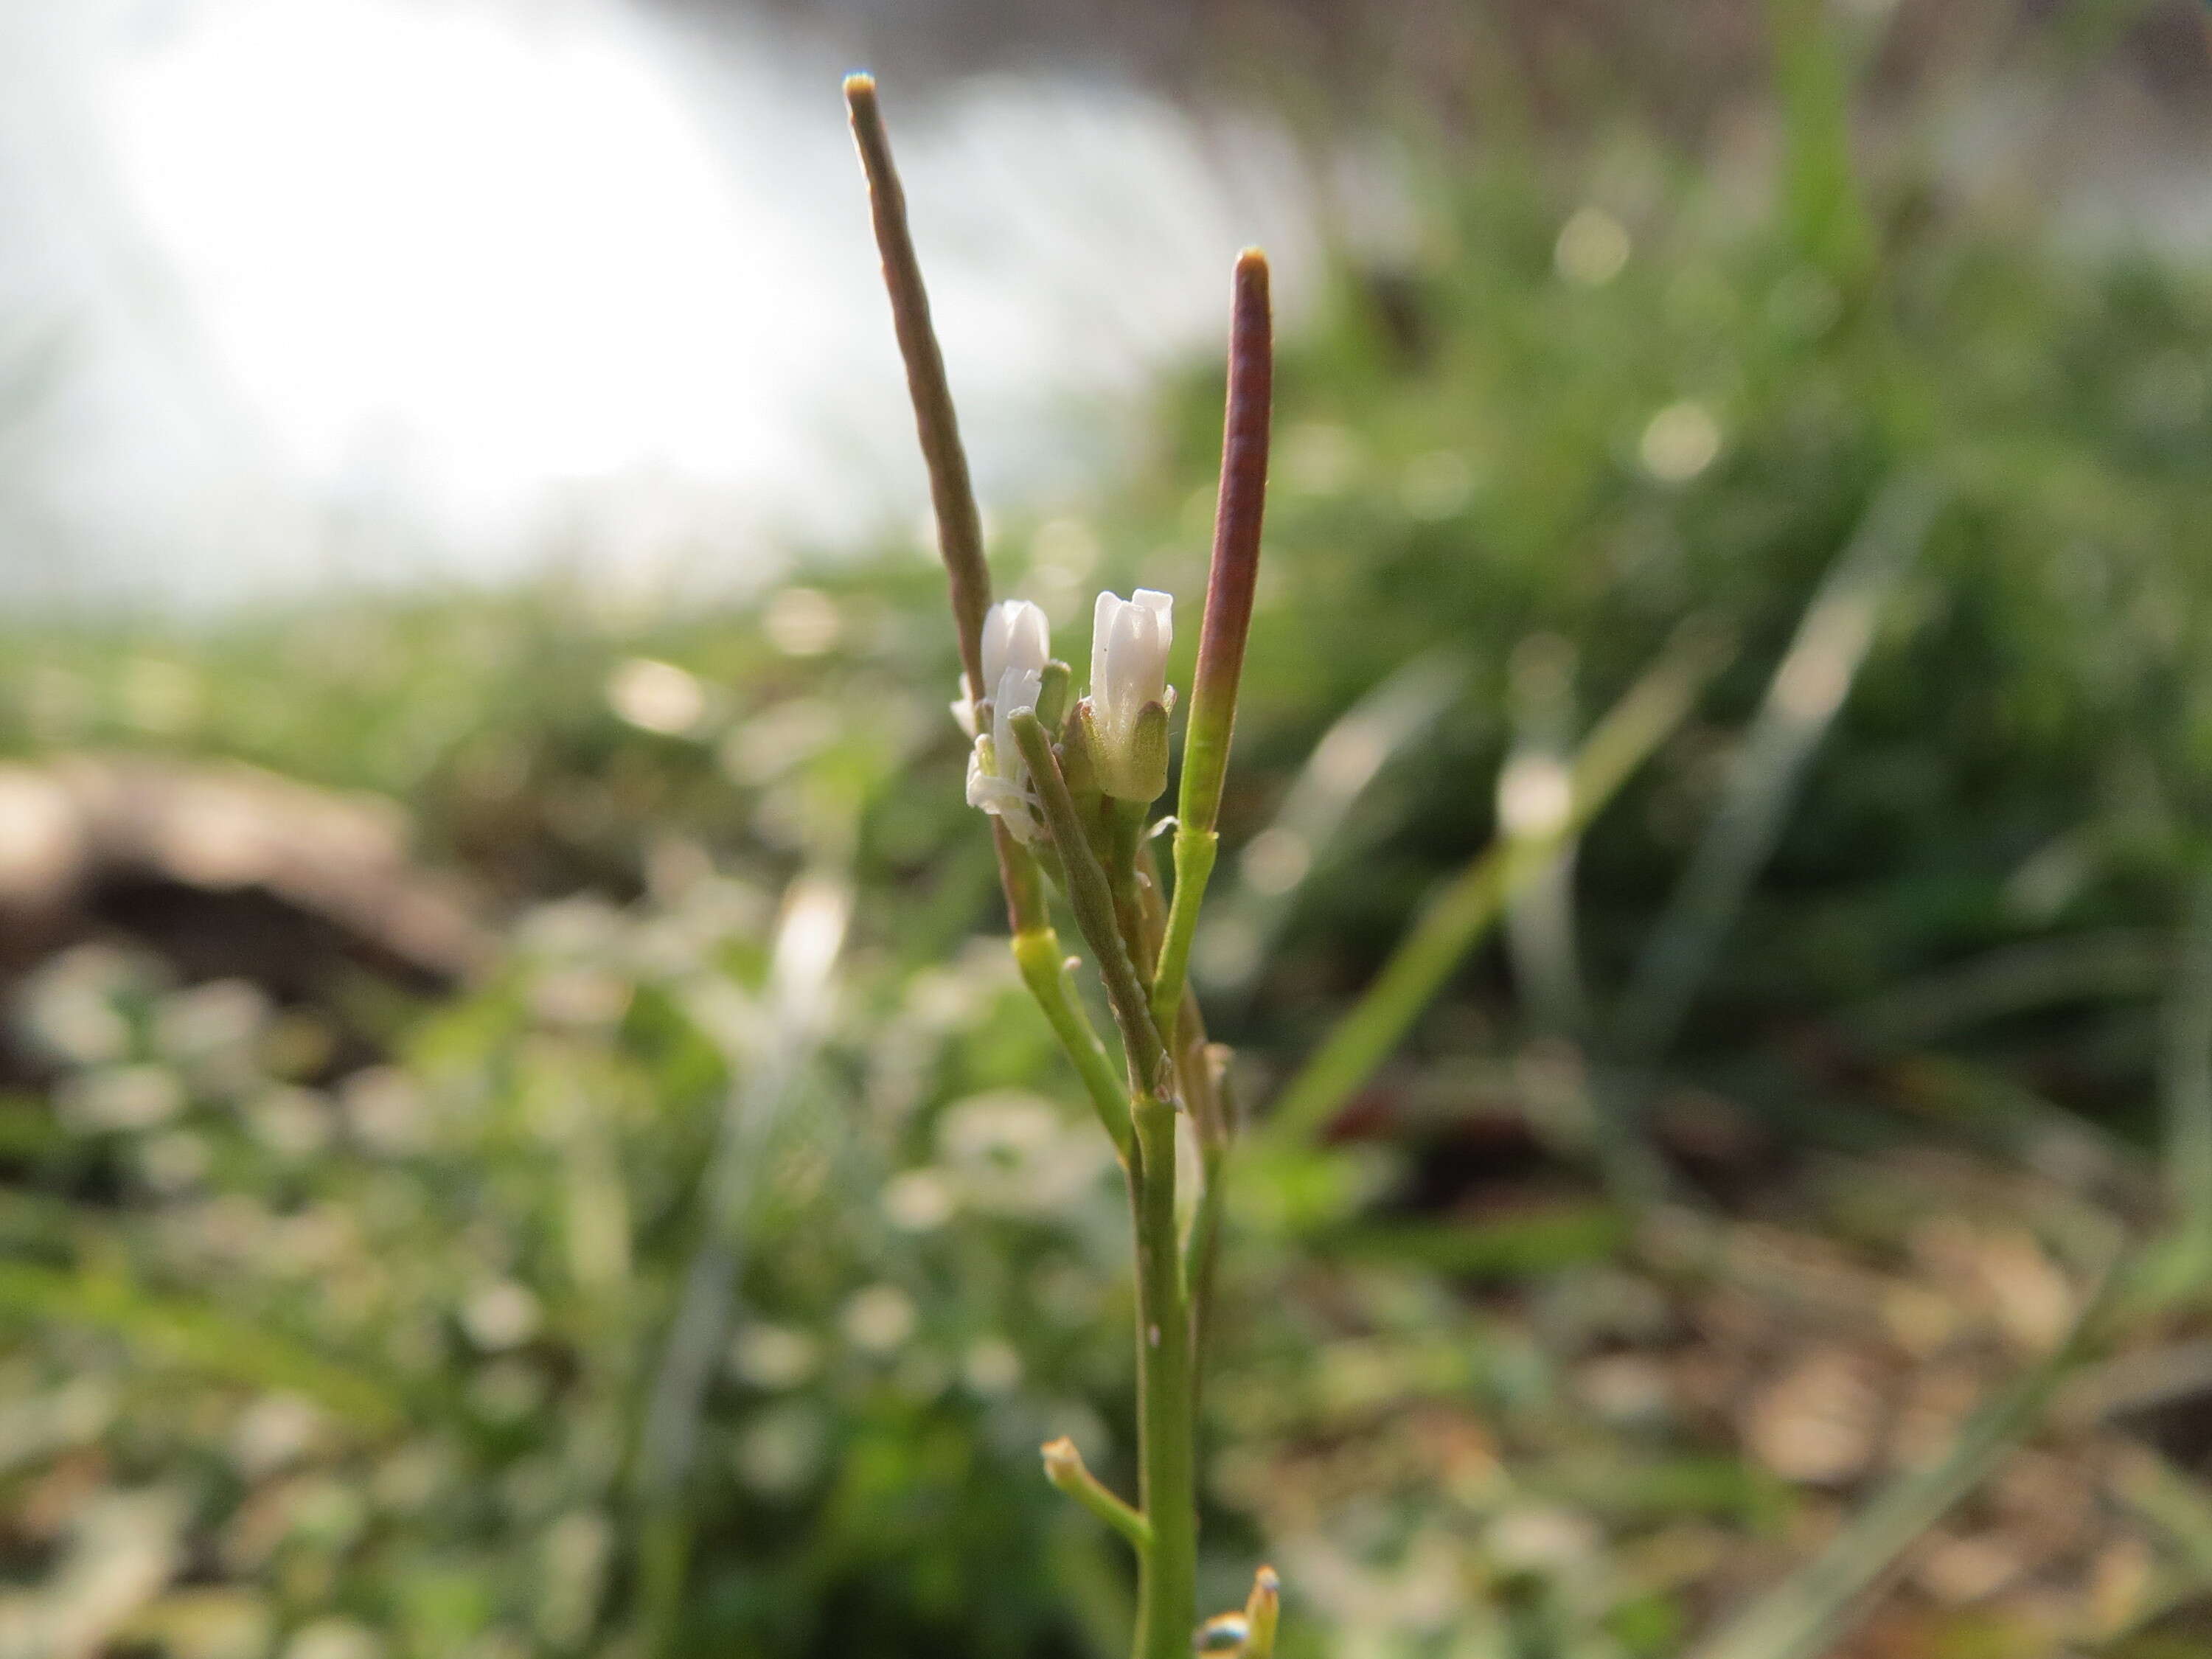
[1015, 634]
[1129, 641]
[1016, 645]
[1129, 697]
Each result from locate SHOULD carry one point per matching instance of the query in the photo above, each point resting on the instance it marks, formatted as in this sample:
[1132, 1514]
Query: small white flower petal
[1017, 692]
[1017, 646]
[1103, 617]
[1016, 634]
[1129, 643]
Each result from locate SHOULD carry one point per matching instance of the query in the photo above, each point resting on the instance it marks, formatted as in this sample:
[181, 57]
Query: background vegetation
[340, 1270]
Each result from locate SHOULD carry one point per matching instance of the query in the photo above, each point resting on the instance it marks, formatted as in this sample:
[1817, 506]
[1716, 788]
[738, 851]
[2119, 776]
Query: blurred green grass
[357, 1363]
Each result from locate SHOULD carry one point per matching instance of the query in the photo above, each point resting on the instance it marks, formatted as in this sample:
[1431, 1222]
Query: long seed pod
[959, 523]
[1236, 564]
[1228, 621]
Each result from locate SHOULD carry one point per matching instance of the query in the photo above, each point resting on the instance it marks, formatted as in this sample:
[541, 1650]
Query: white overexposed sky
[318, 289]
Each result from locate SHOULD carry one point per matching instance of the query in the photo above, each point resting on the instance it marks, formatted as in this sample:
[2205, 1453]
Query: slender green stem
[1202, 1070]
[1092, 897]
[1182, 1027]
[1044, 971]
[1214, 1115]
[1167, 1587]
[1064, 1467]
[1125, 835]
[1194, 852]
[1201, 1251]
[1203, 1067]
[1026, 912]
[1471, 901]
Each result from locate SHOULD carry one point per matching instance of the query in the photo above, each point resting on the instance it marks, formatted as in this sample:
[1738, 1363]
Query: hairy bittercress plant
[1069, 791]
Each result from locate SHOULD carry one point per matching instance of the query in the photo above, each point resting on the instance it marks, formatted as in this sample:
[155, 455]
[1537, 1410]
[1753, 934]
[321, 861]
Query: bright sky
[439, 248]
[509, 272]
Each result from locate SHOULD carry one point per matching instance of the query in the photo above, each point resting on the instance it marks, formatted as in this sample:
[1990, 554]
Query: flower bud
[1126, 711]
[1063, 1464]
[1017, 651]
[1261, 1612]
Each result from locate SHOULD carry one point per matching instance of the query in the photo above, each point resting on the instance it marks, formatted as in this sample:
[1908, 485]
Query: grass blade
[167, 1330]
[801, 983]
[1237, 939]
[2113, 964]
[1802, 700]
[1471, 901]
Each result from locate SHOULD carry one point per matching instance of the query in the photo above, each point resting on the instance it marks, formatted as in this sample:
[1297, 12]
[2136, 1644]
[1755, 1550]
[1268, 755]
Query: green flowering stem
[1044, 971]
[1121, 935]
[1238, 511]
[1167, 1399]
[1092, 897]
[1167, 1580]
[1064, 1467]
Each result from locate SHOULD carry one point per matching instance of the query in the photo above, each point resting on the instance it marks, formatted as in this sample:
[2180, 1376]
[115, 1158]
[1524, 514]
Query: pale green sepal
[1137, 768]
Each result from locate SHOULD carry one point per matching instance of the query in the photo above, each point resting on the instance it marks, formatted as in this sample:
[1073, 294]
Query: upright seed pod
[1229, 586]
[1236, 563]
